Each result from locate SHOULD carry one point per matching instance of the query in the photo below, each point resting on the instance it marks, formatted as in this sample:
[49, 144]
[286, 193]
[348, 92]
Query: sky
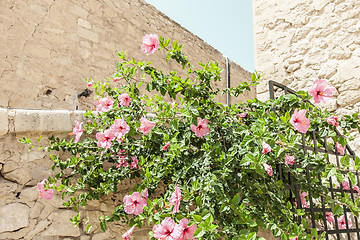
[224, 24]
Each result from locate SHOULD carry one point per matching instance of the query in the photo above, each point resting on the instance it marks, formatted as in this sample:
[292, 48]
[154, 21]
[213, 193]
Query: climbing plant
[204, 170]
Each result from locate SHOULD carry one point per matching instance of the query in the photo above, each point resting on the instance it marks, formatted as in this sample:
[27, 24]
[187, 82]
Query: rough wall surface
[47, 49]
[297, 42]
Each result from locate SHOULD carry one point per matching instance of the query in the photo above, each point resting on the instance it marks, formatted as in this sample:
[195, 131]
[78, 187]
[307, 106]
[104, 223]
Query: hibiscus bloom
[134, 163]
[299, 121]
[340, 149]
[134, 203]
[342, 223]
[126, 236]
[266, 147]
[202, 128]
[77, 131]
[120, 128]
[45, 193]
[145, 193]
[268, 169]
[124, 99]
[345, 185]
[175, 200]
[333, 120]
[150, 44]
[303, 196]
[242, 115]
[321, 91]
[146, 125]
[185, 231]
[89, 84]
[356, 188]
[116, 79]
[166, 230]
[104, 104]
[330, 217]
[105, 138]
[167, 145]
[289, 159]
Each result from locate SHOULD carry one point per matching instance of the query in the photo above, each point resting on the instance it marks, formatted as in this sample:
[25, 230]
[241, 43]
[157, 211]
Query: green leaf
[235, 200]
[197, 218]
[88, 228]
[337, 209]
[103, 226]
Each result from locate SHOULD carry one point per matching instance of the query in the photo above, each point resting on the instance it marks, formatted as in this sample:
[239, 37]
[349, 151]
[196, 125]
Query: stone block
[83, 23]
[42, 121]
[4, 122]
[13, 217]
[79, 11]
[61, 225]
[88, 34]
[348, 97]
[19, 175]
[28, 195]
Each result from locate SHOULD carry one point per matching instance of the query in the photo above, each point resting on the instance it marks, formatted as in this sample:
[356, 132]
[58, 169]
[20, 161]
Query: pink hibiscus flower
[333, 120]
[145, 193]
[356, 188]
[268, 169]
[150, 44]
[166, 230]
[146, 125]
[303, 196]
[202, 128]
[175, 200]
[45, 193]
[105, 138]
[167, 145]
[134, 163]
[120, 128]
[299, 121]
[321, 91]
[104, 104]
[266, 147]
[345, 185]
[330, 217]
[185, 231]
[89, 84]
[77, 131]
[126, 236]
[124, 99]
[342, 222]
[134, 203]
[116, 79]
[242, 115]
[340, 149]
[289, 159]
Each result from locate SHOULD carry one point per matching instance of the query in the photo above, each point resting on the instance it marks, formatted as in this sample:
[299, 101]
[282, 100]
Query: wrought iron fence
[318, 207]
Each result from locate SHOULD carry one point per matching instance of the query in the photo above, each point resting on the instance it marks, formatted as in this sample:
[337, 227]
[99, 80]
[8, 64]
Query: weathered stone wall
[297, 42]
[47, 49]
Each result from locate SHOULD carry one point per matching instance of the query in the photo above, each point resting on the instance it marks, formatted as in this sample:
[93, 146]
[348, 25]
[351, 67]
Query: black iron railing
[316, 208]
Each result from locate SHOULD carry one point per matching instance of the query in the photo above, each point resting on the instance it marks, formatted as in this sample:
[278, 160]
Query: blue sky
[226, 24]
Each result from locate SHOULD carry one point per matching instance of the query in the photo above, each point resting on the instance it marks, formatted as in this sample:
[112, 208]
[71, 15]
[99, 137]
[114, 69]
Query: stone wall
[48, 48]
[297, 42]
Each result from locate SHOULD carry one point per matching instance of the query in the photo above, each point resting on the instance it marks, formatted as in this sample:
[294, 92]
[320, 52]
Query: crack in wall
[43, 18]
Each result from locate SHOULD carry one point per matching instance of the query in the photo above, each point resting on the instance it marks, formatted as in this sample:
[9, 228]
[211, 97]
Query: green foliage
[226, 191]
